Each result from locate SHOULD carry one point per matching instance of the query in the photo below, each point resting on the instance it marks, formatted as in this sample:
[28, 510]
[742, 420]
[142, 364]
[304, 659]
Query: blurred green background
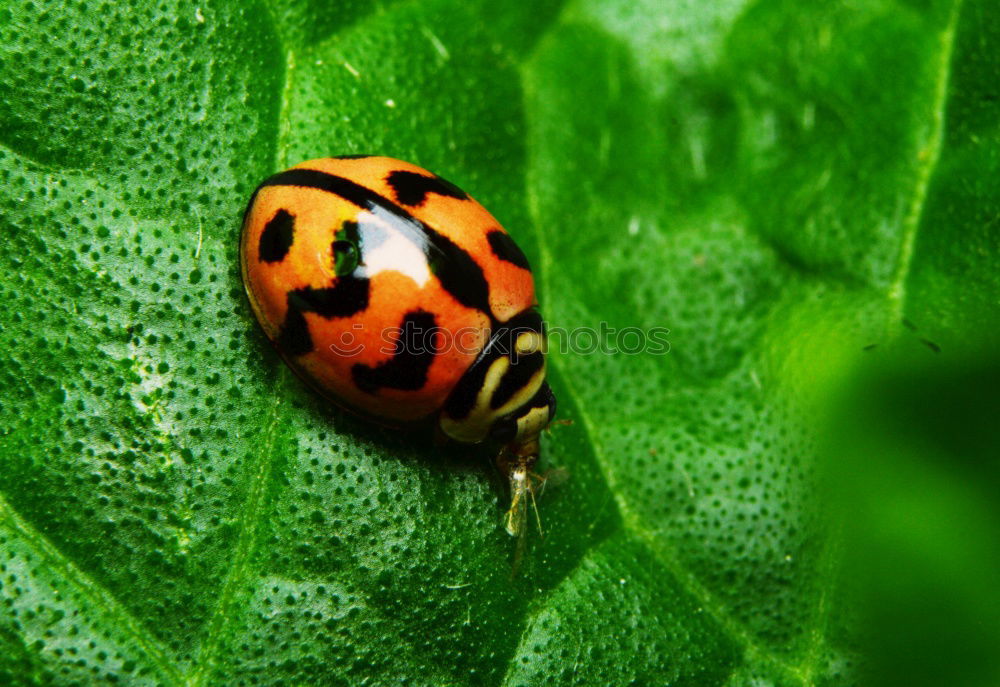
[912, 457]
[801, 492]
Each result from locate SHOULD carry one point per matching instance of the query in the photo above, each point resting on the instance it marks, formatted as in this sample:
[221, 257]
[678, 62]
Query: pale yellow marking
[477, 424]
[528, 343]
[534, 422]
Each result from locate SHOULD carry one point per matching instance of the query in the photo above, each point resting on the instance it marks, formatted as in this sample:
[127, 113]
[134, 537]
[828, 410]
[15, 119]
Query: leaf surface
[779, 185]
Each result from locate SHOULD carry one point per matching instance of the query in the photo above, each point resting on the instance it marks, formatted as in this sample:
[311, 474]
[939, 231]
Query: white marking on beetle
[397, 253]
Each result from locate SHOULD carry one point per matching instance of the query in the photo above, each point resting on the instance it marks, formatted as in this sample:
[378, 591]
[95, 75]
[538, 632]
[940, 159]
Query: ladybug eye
[345, 257]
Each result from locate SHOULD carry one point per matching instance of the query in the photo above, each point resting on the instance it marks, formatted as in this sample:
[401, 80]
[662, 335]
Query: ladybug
[397, 296]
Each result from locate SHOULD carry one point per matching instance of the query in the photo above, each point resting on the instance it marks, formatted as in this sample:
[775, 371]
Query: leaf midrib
[218, 627]
[931, 152]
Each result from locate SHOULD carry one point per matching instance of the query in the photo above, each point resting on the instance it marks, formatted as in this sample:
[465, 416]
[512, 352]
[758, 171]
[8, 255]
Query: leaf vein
[929, 154]
[249, 522]
[99, 597]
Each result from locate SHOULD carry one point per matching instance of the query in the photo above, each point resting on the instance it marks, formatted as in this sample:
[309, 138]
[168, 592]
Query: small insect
[399, 297]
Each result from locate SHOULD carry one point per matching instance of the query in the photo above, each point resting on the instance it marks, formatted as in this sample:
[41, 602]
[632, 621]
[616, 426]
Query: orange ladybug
[396, 295]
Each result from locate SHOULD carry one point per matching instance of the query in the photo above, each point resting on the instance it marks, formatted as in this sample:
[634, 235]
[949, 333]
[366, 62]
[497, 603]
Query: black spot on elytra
[348, 296]
[504, 248]
[459, 274]
[277, 237]
[407, 369]
[455, 269]
[294, 338]
[411, 188]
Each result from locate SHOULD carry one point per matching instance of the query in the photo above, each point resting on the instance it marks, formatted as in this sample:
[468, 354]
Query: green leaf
[783, 185]
[912, 457]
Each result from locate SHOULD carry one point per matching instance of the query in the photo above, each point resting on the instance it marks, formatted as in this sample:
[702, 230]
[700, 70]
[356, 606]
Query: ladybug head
[503, 396]
[527, 422]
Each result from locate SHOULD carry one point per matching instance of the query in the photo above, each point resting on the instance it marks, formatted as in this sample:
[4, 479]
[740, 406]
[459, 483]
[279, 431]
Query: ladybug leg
[540, 481]
[534, 506]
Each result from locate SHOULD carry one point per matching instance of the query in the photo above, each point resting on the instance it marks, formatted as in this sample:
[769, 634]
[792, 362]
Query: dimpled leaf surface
[780, 184]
